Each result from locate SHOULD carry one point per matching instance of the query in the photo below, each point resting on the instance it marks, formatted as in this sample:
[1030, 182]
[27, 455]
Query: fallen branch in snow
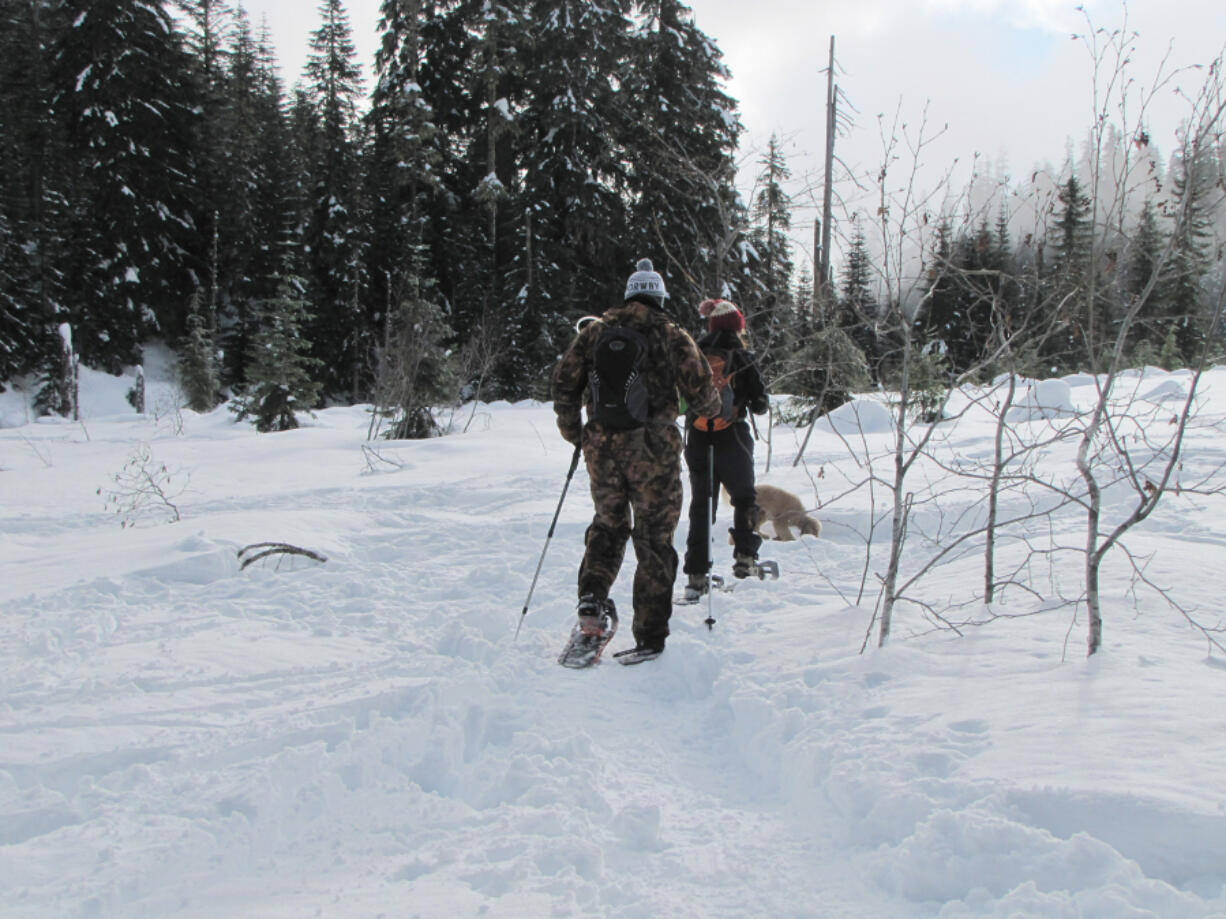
[43, 455]
[265, 549]
[373, 457]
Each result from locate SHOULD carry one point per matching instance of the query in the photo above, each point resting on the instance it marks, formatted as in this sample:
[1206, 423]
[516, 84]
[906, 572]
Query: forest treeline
[436, 235]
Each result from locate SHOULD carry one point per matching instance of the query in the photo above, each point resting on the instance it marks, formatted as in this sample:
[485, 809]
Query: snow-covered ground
[181, 737]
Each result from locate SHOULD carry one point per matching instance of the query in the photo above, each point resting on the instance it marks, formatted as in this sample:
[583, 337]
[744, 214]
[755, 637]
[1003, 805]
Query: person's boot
[594, 614]
[696, 587]
[744, 566]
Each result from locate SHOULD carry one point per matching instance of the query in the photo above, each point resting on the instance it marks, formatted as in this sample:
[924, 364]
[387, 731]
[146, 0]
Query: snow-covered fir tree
[858, 310]
[333, 234]
[769, 310]
[681, 142]
[208, 36]
[969, 297]
[415, 369]
[937, 322]
[262, 175]
[1194, 184]
[30, 145]
[197, 370]
[1144, 258]
[282, 377]
[124, 94]
[18, 333]
[1066, 285]
[474, 79]
[573, 173]
[402, 175]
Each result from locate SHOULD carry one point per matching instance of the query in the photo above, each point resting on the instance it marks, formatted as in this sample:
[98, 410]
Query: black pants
[733, 454]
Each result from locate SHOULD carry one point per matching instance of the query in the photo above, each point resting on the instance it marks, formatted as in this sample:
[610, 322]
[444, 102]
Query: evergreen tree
[256, 213]
[983, 269]
[1008, 287]
[124, 93]
[473, 78]
[681, 135]
[31, 151]
[492, 174]
[304, 148]
[1066, 287]
[1143, 255]
[334, 84]
[413, 367]
[60, 392]
[573, 173]
[575, 143]
[282, 376]
[858, 310]
[19, 334]
[939, 322]
[1194, 180]
[197, 361]
[972, 298]
[208, 39]
[19, 325]
[771, 314]
[402, 177]
[826, 367]
[802, 293]
[416, 373]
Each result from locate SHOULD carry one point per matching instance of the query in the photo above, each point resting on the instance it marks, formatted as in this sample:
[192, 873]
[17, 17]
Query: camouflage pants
[635, 475]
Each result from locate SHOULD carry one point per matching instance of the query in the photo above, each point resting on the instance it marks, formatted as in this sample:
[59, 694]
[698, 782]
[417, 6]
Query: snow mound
[195, 560]
[1167, 391]
[1044, 399]
[859, 416]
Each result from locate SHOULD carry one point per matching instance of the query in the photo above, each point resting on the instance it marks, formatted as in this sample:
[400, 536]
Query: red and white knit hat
[721, 315]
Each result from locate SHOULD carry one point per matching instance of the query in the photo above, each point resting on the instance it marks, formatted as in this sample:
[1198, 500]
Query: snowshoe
[745, 566]
[639, 653]
[595, 628]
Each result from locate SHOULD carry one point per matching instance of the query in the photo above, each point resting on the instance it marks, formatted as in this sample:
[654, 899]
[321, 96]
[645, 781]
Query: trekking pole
[710, 621]
[574, 463]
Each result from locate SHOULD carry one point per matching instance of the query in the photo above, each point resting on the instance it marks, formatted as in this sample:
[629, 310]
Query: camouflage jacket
[674, 367]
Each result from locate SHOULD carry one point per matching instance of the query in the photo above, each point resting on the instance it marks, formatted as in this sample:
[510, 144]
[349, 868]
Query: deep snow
[362, 737]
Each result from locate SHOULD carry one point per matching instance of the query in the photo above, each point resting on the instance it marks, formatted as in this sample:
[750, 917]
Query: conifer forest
[433, 237]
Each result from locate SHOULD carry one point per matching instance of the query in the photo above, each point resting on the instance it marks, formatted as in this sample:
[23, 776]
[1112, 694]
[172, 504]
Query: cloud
[1002, 76]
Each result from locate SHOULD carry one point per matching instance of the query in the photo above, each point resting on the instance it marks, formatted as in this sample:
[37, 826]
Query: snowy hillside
[361, 737]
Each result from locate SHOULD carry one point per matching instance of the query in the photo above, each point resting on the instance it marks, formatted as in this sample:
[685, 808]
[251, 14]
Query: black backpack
[619, 395]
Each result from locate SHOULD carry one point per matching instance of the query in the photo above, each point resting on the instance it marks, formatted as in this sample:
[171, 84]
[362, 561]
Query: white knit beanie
[646, 282]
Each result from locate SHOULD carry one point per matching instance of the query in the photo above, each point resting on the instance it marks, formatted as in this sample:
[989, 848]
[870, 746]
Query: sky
[1003, 79]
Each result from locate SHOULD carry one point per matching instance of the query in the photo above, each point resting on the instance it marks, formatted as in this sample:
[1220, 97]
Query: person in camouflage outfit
[635, 474]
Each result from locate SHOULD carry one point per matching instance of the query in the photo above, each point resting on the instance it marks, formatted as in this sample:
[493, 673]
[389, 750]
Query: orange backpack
[720, 361]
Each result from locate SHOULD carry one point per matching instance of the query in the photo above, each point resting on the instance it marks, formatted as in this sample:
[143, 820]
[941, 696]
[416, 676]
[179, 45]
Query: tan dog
[782, 510]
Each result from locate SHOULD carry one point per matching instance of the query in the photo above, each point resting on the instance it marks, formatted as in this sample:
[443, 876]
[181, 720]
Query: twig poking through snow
[265, 549]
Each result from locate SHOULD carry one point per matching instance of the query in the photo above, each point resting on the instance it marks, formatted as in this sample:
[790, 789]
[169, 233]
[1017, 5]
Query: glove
[571, 428]
[760, 405]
